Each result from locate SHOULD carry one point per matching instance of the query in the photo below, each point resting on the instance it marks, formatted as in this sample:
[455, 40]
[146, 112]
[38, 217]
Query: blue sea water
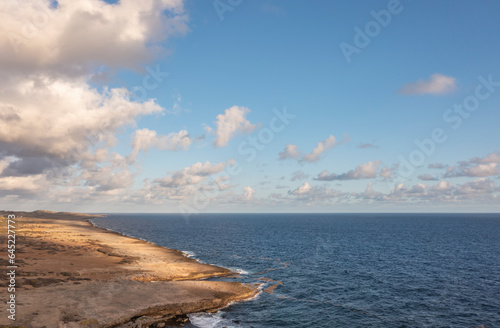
[342, 270]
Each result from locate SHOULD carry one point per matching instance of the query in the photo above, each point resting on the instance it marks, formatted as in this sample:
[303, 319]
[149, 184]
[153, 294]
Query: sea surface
[342, 270]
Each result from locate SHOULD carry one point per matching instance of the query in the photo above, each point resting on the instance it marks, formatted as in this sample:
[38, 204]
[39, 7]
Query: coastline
[73, 273]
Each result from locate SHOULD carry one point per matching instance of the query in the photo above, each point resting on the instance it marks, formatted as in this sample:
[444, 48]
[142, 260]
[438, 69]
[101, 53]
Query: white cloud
[200, 180]
[476, 187]
[290, 151]
[76, 36]
[438, 84]
[23, 185]
[192, 175]
[443, 186]
[321, 147]
[219, 182]
[494, 157]
[108, 177]
[387, 172]
[144, 139]
[301, 190]
[62, 120]
[372, 194]
[477, 167]
[442, 192]
[483, 170]
[55, 129]
[248, 193]
[316, 194]
[363, 171]
[233, 121]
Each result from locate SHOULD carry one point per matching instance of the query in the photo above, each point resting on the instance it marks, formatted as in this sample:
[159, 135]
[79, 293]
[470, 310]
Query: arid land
[72, 274]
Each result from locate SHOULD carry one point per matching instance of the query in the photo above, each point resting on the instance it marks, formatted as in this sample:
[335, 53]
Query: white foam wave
[239, 271]
[191, 255]
[205, 320]
[188, 253]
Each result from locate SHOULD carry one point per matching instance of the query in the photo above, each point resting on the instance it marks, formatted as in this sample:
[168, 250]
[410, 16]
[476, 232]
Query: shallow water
[342, 270]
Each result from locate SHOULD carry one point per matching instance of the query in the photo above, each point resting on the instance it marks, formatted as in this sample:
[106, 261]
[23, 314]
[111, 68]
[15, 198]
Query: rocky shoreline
[73, 274]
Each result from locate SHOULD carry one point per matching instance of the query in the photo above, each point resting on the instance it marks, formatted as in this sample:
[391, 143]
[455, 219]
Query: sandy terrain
[72, 274]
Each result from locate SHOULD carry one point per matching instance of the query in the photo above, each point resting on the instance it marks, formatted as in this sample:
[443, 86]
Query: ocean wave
[239, 271]
[207, 320]
[191, 255]
[188, 253]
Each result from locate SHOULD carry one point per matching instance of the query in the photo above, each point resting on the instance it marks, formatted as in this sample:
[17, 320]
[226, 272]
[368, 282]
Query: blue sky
[356, 115]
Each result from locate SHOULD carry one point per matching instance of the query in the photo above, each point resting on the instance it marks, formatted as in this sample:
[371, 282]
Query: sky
[187, 106]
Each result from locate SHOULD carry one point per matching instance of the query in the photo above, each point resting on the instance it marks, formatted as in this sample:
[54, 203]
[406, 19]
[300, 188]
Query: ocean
[341, 270]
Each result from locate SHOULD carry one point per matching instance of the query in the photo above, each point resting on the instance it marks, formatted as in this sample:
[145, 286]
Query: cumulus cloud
[230, 123]
[316, 194]
[443, 186]
[388, 172]
[479, 190]
[290, 151]
[442, 192]
[494, 157]
[321, 147]
[144, 139]
[76, 36]
[57, 117]
[107, 178]
[191, 175]
[62, 131]
[477, 167]
[438, 84]
[204, 180]
[301, 190]
[56, 130]
[248, 193]
[220, 183]
[363, 171]
[482, 170]
[476, 187]
[25, 186]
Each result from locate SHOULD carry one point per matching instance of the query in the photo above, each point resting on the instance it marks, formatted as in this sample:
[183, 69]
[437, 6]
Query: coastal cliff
[72, 274]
